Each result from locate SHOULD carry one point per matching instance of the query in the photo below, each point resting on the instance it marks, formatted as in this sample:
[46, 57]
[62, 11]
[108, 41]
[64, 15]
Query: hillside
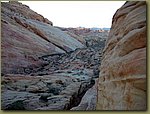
[27, 35]
[45, 67]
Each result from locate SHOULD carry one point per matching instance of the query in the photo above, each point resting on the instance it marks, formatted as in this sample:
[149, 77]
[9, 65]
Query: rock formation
[45, 67]
[88, 101]
[27, 35]
[47, 92]
[57, 85]
[122, 78]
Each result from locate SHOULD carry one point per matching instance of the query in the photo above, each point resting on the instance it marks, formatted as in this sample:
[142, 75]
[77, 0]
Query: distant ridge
[96, 28]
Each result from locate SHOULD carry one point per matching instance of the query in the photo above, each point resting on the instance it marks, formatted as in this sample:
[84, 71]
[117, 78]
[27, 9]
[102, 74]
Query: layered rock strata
[26, 35]
[122, 78]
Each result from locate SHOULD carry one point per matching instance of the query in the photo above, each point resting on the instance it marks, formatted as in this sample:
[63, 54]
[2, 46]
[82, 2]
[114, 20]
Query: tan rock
[122, 78]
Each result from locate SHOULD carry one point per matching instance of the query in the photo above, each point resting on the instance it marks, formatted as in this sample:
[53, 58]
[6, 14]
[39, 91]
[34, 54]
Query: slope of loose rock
[57, 85]
[122, 78]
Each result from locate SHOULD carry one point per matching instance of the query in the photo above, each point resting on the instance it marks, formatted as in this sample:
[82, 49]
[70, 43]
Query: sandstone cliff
[27, 35]
[122, 78]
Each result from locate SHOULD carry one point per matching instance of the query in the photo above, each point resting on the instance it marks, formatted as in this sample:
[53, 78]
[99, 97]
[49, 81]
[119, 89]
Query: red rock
[26, 36]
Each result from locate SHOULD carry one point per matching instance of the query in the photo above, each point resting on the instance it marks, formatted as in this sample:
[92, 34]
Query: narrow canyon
[46, 67]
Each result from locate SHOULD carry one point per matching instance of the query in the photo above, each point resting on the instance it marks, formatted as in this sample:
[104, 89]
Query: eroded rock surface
[48, 92]
[122, 78]
[26, 35]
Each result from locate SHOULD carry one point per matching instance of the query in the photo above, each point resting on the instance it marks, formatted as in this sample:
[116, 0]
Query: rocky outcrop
[59, 84]
[26, 35]
[21, 10]
[88, 101]
[89, 37]
[48, 92]
[122, 78]
[84, 61]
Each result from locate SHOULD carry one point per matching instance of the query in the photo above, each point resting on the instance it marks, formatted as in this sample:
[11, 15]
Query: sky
[77, 13]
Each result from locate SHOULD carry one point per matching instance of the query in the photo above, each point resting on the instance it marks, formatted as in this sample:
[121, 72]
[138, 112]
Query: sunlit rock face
[26, 35]
[122, 78]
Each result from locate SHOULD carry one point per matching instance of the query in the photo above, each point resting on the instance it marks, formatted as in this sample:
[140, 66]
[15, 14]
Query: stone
[13, 100]
[88, 101]
[122, 78]
[44, 96]
[48, 92]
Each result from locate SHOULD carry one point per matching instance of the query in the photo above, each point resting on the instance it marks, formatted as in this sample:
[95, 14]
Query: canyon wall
[122, 78]
[27, 35]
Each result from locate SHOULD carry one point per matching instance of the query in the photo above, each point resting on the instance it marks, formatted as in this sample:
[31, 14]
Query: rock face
[88, 101]
[27, 35]
[122, 78]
